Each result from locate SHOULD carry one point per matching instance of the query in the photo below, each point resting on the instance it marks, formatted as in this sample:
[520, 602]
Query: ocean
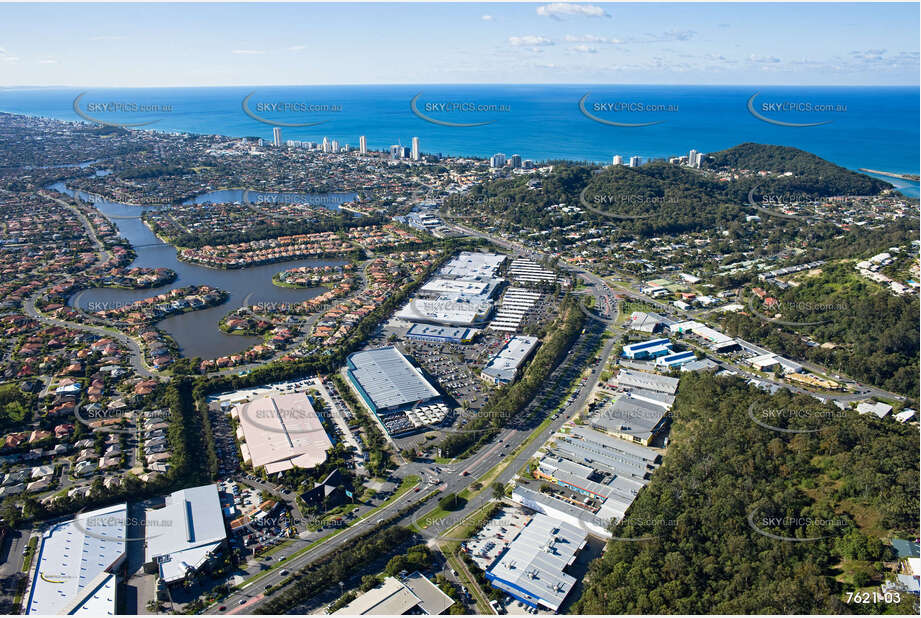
[861, 127]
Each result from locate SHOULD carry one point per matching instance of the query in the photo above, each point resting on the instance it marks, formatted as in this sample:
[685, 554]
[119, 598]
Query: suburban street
[458, 475]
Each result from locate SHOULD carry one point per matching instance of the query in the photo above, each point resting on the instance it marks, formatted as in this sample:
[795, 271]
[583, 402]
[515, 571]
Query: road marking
[487, 454]
[240, 608]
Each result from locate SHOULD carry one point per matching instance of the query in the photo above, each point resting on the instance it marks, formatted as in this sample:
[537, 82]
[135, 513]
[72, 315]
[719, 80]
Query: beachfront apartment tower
[416, 153]
[363, 145]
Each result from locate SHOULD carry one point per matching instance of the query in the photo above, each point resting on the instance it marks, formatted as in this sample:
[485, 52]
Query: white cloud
[48, 61]
[584, 49]
[487, 18]
[248, 52]
[591, 38]
[664, 37]
[558, 10]
[108, 37]
[529, 40]
[297, 47]
[679, 35]
[6, 58]
[763, 59]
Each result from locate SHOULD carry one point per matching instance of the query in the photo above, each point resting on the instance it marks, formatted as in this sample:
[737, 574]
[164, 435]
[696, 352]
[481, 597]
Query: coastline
[897, 175]
[853, 141]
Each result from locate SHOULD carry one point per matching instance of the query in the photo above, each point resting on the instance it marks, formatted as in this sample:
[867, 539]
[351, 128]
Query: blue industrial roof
[642, 345]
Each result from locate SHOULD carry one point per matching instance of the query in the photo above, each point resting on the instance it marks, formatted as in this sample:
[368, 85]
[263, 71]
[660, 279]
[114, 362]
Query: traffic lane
[504, 435]
[274, 575]
[246, 604]
[494, 456]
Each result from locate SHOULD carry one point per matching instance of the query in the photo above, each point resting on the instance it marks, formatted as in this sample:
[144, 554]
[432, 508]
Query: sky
[130, 45]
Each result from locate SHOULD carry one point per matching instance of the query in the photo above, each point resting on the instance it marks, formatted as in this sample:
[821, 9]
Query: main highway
[507, 452]
[505, 449]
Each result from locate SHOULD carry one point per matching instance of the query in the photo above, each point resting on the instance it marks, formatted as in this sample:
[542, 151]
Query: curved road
[459, 475]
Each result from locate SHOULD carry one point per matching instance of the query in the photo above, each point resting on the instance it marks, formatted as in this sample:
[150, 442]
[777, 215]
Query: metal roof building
[647, 349]
[650, 381]
[656, 398]
[503, 367]
[630, 419]
[470, 265]
[414, 595]
[447, 310]
[701, 330]
[598, 440]
[282, 432]
[564, 511]
[387, 380]
[532, 569]
[182, 536]
[529, 271]
[677, 359]
[513, 307]
[438, 334]
[613, 462]
[616, 497]
[76, 563]
[647, 322]
[482, 288]
[704, 364]
[390, 598]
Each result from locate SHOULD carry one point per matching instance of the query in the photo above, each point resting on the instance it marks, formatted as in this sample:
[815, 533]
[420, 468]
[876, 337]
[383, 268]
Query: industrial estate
[268, 375]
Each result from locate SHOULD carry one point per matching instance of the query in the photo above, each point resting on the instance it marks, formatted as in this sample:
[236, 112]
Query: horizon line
[420, 84]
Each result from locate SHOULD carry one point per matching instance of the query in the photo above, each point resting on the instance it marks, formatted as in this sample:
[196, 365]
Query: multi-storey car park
[513, 308]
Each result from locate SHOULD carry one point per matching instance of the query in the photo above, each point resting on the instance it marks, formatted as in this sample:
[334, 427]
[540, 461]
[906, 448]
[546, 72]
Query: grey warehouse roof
[389, 379]
[535, 559]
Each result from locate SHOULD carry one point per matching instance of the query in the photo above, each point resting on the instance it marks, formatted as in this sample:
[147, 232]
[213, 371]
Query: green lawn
[27, 560]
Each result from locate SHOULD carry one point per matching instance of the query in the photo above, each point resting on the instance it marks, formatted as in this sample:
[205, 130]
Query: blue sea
[861, 127]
